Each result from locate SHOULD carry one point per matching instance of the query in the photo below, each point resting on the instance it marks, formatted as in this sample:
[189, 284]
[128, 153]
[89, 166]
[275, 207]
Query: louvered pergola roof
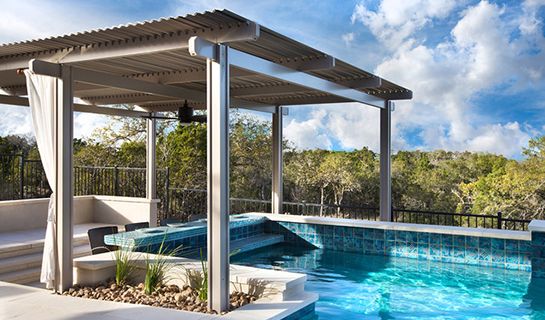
[213, 59]
[157, 51]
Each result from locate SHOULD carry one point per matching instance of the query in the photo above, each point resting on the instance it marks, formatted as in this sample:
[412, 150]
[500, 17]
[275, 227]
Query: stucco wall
[17, 215]
[122, 210]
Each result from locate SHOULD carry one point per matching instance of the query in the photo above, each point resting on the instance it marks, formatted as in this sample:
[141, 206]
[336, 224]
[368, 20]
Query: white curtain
[42, 97]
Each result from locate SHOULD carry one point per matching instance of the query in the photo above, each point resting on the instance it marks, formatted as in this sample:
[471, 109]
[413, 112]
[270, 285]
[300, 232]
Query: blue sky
[477, 68]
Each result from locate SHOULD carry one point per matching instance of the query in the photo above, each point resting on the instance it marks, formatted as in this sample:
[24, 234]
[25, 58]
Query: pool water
[356, 286]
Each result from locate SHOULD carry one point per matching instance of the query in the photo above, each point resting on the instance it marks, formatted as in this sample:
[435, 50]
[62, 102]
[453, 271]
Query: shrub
[124, 265]
[157, 268]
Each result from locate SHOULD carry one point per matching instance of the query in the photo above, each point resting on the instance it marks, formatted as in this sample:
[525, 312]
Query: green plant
[124, 265]
[202, 289]
[199, 279]
[157, 268]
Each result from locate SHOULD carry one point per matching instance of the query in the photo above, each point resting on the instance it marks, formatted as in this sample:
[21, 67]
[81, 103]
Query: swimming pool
[355, 286]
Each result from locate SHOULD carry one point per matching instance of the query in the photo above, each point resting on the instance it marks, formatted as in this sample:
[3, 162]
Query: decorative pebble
[168, 296]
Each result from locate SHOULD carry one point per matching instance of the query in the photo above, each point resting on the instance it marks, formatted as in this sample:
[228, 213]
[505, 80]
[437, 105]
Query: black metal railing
[470, 220]
[187, 202]
[21, 178]
[331, 210]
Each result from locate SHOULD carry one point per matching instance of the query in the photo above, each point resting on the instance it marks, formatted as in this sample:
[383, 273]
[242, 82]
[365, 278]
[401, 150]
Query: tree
[302, 177]
[339, 172]
[184, 152]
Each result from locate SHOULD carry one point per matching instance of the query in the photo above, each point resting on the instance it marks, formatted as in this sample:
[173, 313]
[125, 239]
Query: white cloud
[480, 55]
[397, 20]
[85, 123]
[309, 133]
[500, 139]
[15, 120]
[348, 38]
[354, 126]
[18, 121]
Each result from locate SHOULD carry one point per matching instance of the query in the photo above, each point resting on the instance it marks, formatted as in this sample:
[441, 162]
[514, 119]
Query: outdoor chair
[195, 217]
[96, 239]
[167, 221]
[136, 226]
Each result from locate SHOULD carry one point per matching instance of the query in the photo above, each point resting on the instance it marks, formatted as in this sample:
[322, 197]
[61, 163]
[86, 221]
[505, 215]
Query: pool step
[255, 242]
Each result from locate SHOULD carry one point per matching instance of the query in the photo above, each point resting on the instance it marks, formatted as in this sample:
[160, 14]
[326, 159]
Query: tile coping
[239, 274]
[537, 226]
[476, 232]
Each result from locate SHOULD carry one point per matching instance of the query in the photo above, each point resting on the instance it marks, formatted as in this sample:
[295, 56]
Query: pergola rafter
[214, 60]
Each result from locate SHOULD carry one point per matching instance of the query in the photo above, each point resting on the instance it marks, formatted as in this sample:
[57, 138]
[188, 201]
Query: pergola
[214, 60]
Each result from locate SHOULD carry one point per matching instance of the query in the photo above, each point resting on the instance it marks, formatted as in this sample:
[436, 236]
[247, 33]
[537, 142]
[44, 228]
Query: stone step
[22, 276]
[34, 259]
[31, 247]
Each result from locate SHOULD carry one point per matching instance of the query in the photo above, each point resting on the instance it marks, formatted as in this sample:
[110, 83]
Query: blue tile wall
[193, 243]
[538, 254]
[501, 253]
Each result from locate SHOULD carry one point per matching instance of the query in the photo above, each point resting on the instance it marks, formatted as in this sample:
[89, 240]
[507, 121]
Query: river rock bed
[167, 296]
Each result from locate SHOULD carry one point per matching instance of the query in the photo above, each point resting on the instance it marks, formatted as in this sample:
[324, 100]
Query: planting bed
[166, 296]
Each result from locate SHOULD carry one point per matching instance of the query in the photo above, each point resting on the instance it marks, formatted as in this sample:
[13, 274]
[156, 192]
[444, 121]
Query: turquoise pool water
[355, 286]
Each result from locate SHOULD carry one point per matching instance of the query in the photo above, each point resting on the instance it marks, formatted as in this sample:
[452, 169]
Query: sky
[476, 68]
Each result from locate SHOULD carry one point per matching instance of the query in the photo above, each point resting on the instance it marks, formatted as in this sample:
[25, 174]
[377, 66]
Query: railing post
[499, 220]
[166, 207]
[116, 181]
[22, 177]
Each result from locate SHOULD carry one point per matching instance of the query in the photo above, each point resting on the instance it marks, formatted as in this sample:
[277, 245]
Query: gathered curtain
[42, 95]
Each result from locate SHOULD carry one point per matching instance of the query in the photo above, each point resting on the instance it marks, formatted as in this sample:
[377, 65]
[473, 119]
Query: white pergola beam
[115, 81]
[385, 162]
[84, 108]
[178, 77]
[63, 189]
[266, 90]
[373, 82]
[248, 31]
[277, 197]
[400, 95]
[140, 86]
[119, 82]
[159, 104]
[318, 63]
[218, 180]
[206, 49]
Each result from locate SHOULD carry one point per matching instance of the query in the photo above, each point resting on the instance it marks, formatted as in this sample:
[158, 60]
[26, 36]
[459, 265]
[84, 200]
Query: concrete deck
[19, 302]
[23, 302]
